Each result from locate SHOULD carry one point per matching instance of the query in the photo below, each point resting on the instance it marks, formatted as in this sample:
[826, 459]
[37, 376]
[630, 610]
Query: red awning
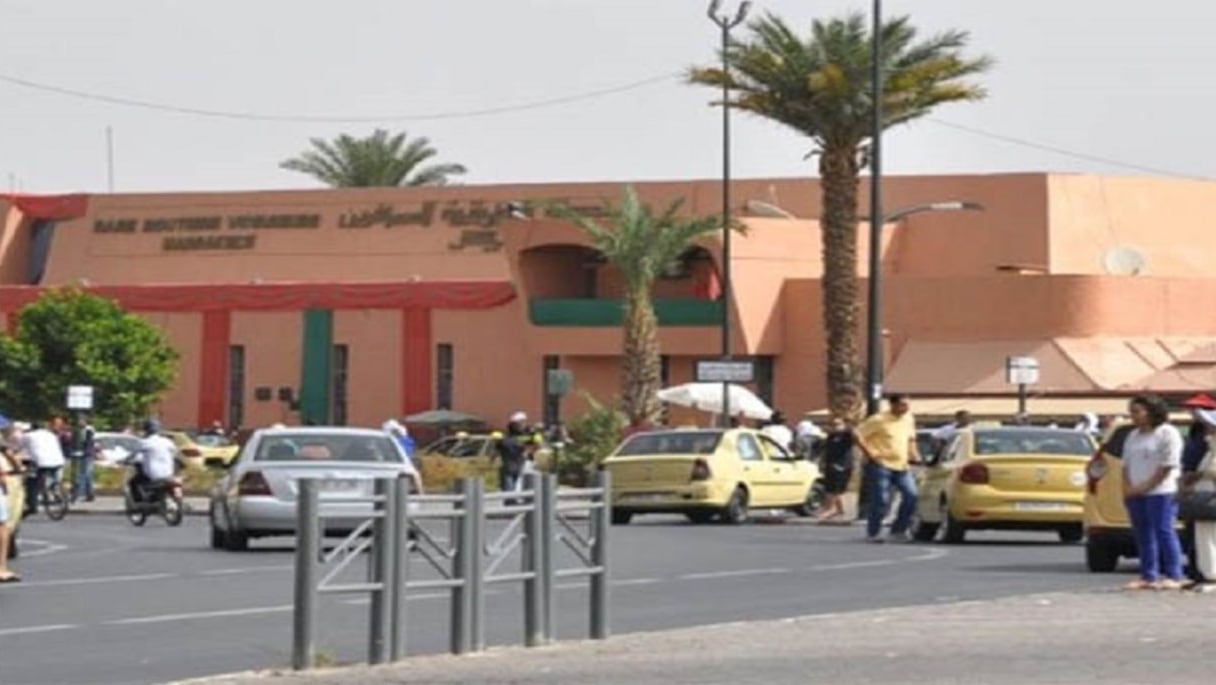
[51, 207]
[1200, 401]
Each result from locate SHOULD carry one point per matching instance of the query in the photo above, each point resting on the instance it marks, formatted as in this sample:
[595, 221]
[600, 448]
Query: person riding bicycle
[45, 451]
[154, 461]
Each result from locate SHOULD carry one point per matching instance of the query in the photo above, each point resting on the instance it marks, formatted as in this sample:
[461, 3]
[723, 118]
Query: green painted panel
[317, 372]
[588, 312]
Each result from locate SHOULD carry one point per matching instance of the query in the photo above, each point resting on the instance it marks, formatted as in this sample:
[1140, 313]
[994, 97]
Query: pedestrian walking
[1152, 460]
[1202, 479]
[888, 441]
[402, 435]
[513, 452]
[838, 459]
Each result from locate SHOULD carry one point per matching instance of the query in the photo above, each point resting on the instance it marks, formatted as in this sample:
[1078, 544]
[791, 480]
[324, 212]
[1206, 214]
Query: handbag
[1197, 505]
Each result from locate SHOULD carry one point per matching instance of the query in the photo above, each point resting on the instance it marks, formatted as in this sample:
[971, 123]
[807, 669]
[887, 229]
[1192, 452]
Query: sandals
[10, 578]
[1140, 585]
[1169, 584]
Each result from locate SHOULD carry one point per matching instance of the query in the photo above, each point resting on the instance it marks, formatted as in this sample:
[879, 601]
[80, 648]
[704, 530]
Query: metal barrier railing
[538, 522]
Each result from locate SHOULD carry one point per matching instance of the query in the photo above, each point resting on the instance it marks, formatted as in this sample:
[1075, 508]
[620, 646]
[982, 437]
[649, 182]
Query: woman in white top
[1152, 460]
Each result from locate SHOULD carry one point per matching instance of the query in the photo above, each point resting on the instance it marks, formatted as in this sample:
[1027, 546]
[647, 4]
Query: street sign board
[726, 371]
[559, 382]
[80, 397]
[1022, 370]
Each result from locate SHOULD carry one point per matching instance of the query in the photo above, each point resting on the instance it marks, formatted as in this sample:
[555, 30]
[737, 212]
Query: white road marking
[635, 581]
[928, 555]
[246, 569]
[226, 613]
[45, 547]
[38, 629]
[63, 582]
[734, 574]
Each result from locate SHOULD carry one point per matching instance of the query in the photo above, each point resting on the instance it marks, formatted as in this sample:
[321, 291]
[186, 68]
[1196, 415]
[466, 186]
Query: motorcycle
[163, 498]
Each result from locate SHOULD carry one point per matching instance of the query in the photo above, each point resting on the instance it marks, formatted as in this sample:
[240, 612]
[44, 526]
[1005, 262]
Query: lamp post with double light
[725, 23]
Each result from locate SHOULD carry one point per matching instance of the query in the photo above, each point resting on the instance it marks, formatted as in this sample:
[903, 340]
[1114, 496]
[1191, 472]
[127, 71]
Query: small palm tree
[375, 161]
[641, 245]
[820, 86]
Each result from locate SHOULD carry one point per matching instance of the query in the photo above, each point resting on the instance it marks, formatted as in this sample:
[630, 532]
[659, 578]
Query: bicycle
[52, 493]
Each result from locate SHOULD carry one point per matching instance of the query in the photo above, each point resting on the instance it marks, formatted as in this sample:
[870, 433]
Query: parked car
[113, 448]
[204, 449]
[476, 454]
[1008, 478]
[15, 484]
[708, 474]
[257, 496]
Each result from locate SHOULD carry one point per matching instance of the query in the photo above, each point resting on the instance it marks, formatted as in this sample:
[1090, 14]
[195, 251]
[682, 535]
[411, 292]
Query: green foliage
[641, 244]
[595, 435]
[375, 161]
[820, 85]
[72, 338]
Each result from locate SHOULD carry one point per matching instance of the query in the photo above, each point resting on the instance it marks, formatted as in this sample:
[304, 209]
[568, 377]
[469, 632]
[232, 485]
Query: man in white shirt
[156, 458]
[778, 431]
[45, 450]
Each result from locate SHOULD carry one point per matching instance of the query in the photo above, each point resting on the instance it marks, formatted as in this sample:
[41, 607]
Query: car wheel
[736, 508]
[956, 532]
[925, 531]
[1100, 558]
[1071, 535]
[236, 542]
[814, 501]
[701, 516]
[621, 518]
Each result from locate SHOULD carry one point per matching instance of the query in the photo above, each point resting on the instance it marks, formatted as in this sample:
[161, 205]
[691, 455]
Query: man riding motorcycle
[154, 462]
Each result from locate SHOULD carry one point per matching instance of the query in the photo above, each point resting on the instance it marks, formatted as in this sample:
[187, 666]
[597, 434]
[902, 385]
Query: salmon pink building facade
[351, 306]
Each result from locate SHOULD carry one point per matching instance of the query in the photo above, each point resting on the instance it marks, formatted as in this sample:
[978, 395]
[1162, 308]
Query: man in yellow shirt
[888, 441]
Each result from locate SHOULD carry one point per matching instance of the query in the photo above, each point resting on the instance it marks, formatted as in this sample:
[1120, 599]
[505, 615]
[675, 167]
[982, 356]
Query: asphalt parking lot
[156, 604]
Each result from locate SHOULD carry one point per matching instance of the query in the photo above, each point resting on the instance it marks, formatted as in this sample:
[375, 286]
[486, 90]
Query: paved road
[105, 603]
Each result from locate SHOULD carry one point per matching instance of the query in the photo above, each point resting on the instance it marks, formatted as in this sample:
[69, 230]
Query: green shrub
[594, 434]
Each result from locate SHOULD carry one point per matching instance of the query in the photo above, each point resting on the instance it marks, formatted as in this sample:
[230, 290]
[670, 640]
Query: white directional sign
[80, 397]
[723, 371]
[1022, 370]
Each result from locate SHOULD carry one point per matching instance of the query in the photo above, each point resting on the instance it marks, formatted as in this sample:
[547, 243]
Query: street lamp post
[873, 337]
[725, 23]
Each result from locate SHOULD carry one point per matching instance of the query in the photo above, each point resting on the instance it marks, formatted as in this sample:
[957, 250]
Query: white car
[113, 448]
[257, 497]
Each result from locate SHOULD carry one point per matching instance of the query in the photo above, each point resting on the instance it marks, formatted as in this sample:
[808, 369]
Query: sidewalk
[1111, 638]
[113, 505]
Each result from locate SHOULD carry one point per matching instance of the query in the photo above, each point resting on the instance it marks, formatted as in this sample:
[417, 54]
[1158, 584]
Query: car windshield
[343, 447]
[1031, 441]
[690, 442]
[210, 440]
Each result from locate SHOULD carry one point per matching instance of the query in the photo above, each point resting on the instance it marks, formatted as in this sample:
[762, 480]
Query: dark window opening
[765, 379]
[341, 370]
[552, 403]
[236, 386]
[445, 369]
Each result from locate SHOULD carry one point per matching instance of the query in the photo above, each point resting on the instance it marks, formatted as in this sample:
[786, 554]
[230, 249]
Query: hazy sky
[1125, 80]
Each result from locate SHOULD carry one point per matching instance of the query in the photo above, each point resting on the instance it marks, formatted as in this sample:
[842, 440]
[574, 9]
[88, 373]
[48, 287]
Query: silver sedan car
[257, 497]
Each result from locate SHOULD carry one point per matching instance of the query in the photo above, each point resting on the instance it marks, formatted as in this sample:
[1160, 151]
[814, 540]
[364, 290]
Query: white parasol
[708, 397]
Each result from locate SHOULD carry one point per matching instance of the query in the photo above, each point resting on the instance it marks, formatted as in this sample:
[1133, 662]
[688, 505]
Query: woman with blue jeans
[1152, 461]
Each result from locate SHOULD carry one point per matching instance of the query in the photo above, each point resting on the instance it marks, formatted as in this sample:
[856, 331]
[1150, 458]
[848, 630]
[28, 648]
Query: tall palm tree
[375, 161]
[820, 86]
[641, 245]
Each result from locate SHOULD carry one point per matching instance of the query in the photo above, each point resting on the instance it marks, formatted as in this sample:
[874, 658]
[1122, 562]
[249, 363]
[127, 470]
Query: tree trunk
[838, 170]
[640, 367]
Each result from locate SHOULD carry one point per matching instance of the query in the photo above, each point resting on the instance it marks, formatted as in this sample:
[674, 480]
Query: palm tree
[642, 246]
[820, 86]
[375, 161]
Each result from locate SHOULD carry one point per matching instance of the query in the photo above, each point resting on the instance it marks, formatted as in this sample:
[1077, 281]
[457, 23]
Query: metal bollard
[462, 570]
[303, 646]
[380, 568]
[477, 604]
[548, 540]
[400, 572]
[601, 523]
[532, 562]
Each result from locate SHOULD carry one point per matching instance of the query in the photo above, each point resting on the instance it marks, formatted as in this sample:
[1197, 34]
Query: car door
[790, 482]
[762, 482]
[936, 478]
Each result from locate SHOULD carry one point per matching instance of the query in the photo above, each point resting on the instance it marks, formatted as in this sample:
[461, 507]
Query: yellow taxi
[1005, 478]
[476, 454]
[204, 449]
[15, 484]
[708, 474]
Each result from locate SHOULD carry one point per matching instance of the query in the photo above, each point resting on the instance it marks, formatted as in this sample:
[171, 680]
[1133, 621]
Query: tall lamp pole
[725, 23]
[874, 326]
